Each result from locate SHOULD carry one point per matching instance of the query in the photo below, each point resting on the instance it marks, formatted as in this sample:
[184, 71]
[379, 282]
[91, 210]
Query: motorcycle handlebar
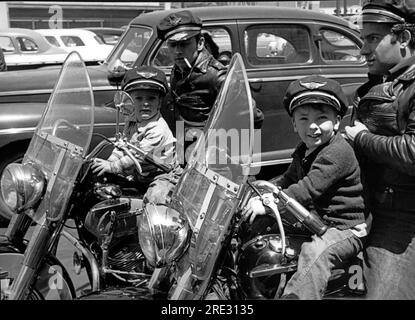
[150, 158]
[312, 221]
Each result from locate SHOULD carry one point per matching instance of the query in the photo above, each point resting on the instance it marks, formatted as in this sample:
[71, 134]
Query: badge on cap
[174, 20]
[146, 75]
[313, 85]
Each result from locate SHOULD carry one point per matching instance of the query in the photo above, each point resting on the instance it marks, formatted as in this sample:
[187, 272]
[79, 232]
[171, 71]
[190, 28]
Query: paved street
[65, 253]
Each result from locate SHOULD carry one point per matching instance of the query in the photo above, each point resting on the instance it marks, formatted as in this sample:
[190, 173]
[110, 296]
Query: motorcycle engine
[114, 216]
[114, 221]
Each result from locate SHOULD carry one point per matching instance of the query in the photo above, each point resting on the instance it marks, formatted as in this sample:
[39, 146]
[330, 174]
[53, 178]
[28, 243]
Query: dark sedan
[278, 45]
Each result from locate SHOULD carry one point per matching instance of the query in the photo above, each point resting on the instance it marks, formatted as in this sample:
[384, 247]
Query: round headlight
[21, 186]
[163, 234]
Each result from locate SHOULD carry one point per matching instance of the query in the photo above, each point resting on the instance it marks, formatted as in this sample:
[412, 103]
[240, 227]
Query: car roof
[41, 42]
[20, 32]
[104, 29]
[241, 12]
[69, 31]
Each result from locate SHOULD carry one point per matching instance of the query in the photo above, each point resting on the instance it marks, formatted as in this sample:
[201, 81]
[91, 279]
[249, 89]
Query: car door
[277, 52]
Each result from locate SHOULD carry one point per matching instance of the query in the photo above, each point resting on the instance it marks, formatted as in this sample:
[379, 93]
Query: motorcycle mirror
[116, 72]
[123, 102]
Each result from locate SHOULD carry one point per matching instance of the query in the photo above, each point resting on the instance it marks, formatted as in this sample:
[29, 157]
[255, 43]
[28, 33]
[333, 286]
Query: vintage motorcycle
[55, 185]
[200, 245]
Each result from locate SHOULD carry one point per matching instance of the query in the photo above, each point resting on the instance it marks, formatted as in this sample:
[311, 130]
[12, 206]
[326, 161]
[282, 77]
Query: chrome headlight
[21, 186]
[163, 234]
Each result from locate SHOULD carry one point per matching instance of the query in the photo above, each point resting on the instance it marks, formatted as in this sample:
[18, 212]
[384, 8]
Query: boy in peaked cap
[324, 177]
[144, 127]
[384, 140]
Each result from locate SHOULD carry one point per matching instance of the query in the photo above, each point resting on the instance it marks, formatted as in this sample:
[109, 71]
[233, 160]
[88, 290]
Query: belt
[390, 198]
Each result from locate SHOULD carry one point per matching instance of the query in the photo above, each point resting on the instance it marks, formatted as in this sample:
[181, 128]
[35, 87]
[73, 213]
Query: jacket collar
[401, 67]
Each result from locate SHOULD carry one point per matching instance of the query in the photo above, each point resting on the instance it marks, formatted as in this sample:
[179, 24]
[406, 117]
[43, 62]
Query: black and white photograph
[229, 153]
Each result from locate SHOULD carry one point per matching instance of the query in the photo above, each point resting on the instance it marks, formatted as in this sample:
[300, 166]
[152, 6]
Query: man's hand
[253, 208]
[100, 166]
[351, 132]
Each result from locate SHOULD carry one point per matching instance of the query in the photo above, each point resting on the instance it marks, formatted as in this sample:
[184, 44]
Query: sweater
[327, 181]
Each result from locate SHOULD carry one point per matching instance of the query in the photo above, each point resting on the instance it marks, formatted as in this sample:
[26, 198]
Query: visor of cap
[376, 15]
[144, 84]
[182, 33]
[314, 98]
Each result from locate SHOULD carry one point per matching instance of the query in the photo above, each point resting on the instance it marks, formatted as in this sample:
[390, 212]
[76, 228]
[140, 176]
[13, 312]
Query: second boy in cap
[324, 176]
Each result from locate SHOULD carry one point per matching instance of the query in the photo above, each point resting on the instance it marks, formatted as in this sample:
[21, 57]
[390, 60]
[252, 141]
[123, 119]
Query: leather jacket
[387, 151]
[194, 91]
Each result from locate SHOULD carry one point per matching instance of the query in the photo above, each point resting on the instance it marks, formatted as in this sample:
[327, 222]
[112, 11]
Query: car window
[72, 41]
[217, 42]
[6, 44]
[27, 45]
[99, 40]
[277, 44]
[110, 38]
[131, 46]
[335, 47]
[53, 41]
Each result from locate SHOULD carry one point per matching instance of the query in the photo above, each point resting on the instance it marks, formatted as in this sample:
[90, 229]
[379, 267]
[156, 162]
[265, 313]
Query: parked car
[87, 43]
[109, 36]
[311, 46]
[27, 49]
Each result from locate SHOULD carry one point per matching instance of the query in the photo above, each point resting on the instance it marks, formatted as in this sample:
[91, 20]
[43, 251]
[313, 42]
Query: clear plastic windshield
[227, 142]
[63, 134]
[208, 190]
[70, 113]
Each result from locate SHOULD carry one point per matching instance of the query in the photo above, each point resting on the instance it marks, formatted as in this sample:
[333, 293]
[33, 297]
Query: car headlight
[163, 234]
[21, 186]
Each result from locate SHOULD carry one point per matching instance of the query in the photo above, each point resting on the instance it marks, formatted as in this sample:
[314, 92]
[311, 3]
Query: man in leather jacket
[196, 77]
[384, 140]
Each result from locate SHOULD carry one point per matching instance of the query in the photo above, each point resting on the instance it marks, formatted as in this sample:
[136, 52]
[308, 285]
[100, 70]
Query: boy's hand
[253, 209]
[100, 166]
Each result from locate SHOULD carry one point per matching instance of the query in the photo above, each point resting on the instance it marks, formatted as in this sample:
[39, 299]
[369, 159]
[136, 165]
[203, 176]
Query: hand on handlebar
[100, 166]
[253, 209]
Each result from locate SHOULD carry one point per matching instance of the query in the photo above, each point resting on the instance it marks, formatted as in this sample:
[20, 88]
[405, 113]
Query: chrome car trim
[40, 91]
[334, 76]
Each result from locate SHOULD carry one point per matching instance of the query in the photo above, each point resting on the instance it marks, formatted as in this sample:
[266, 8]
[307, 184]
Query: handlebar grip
[314, 224]
[312, 221]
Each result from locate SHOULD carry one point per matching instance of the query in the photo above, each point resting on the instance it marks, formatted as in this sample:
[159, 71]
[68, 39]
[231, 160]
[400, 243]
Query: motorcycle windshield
[63, 134]
[208, 191]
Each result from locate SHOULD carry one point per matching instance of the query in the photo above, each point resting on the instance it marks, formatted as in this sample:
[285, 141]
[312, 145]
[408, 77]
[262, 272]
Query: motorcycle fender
[53, 281]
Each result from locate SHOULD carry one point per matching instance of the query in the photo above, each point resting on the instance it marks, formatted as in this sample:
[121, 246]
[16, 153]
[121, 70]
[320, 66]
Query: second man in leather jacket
[196, 77]
[384, 141]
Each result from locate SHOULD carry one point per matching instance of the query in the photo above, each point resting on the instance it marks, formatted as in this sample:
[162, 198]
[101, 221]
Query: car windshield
[131, 45]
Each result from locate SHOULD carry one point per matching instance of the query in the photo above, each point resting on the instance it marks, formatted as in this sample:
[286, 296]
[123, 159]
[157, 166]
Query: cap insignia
[313, 85]
[146, 75]
[174, 20]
